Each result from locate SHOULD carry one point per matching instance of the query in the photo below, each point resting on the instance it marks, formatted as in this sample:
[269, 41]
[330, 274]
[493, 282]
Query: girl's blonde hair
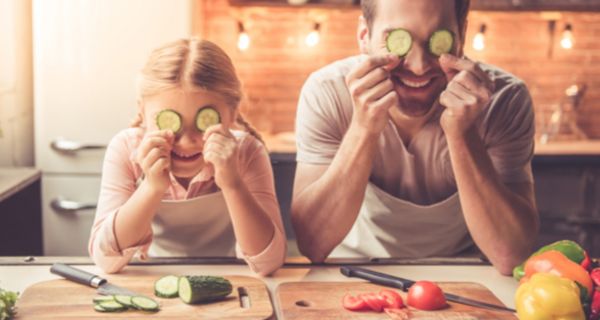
[194, 64]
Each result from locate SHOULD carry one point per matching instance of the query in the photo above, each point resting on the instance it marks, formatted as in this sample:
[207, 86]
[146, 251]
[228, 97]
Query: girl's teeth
[414, 84]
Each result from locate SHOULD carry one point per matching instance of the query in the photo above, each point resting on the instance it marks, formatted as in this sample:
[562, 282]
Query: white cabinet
[86, 58]
[69, 206]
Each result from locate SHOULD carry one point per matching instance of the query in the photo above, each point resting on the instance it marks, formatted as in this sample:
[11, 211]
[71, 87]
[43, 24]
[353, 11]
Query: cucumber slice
[112, 306]
[197, 289]
[98, 308]
[124, 300]
[207, 117]
[168, 120]
[167, 287]
[441, 42]
[399, 42]
[99, 299]
[145, 304]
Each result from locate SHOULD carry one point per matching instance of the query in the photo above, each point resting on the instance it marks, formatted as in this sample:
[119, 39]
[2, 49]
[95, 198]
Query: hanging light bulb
[479, 38]
[312, 39]
[243, 37]
[566, 41]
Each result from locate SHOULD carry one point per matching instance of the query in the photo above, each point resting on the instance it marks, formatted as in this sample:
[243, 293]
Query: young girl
[182, 181]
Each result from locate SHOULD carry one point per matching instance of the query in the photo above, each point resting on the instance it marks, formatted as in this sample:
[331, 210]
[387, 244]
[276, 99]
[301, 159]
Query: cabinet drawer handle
[69, 146]
[62, 205]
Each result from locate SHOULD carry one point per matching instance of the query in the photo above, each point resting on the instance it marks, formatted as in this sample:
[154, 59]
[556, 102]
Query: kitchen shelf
[478, 5]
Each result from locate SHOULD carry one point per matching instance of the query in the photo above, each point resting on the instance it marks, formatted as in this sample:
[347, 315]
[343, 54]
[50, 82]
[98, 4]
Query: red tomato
[374, 301]
[353, 303]
[426, 295]
[393, 299]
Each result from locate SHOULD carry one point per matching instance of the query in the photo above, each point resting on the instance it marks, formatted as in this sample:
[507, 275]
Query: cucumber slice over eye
[399, 42]
[441, 42]
[168, 120]
[207, 117]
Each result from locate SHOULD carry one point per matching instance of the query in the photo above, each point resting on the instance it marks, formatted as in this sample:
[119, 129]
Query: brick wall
[275, 66]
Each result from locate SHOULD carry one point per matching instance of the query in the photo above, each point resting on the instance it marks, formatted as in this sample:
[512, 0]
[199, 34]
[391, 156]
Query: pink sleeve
[258, 176]
[117, 186]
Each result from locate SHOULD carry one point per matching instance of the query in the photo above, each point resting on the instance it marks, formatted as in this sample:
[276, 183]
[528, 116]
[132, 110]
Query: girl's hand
[154, 157]
[221, 151]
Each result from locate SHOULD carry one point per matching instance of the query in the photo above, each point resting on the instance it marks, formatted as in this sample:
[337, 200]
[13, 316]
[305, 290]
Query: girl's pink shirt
[120, 174]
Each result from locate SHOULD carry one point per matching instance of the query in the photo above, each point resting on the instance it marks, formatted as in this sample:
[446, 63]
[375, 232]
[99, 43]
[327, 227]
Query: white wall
[16, 84]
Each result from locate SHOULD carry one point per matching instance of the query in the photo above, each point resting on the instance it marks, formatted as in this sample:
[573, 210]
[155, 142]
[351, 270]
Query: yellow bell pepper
[548, 297]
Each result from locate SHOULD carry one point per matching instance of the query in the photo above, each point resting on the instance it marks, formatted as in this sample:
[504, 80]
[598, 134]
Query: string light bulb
[312, 39]
[566, 41]
[479, 38]
[243, 37]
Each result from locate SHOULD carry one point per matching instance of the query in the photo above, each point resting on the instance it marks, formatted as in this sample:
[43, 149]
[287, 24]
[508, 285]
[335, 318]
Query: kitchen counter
[285, 143]
[17, 275]
[13, 180]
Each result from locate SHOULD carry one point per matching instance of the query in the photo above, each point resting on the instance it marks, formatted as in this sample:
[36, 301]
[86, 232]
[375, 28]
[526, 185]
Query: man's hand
[372, 91]
[469, 90]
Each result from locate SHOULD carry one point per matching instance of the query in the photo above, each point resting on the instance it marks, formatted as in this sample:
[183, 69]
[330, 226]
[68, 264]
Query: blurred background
[67, 70]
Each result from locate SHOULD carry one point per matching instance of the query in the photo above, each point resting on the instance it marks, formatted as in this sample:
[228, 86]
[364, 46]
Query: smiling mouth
[186, 157]
[415, 84]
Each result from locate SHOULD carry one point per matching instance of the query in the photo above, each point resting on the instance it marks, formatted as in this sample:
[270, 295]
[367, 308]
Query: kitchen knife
[88, 279]
[404, 284]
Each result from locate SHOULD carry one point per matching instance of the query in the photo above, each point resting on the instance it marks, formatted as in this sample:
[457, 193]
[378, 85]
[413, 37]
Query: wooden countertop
[13, 180]
[19, 277]
[285, 142]
[580, 147]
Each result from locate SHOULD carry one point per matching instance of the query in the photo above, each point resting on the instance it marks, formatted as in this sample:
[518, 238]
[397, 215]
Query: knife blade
[91, 280]
[405, 284]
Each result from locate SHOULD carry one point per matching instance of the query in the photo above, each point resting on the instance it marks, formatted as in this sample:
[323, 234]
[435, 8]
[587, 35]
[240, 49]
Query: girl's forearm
[252, 225]
[134, 218]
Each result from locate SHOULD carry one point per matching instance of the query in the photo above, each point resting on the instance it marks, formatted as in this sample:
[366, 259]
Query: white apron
[198, 227]
[390, 227]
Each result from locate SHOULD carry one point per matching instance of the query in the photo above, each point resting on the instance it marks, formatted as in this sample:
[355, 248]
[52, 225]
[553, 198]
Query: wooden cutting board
[58, 299]
[323, 300]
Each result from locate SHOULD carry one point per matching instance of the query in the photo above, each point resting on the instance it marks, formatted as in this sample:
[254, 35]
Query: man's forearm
[324, 212]
[502, 223]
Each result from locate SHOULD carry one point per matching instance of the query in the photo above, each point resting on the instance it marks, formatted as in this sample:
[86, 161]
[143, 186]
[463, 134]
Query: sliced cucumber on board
[118, 303]
[198, 289]
[167, 287]
[124, 300]
[111, 306]
[440, 42]
[145, 304]
[399, 42]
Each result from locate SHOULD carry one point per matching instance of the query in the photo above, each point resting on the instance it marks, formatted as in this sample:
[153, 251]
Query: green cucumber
[111, 306]
[207, 117]
[168, 120]
[145, 304]
[167, 287]
[124, 300]
[440, 42]
[99, 299]
[399, 42]
[198, 289]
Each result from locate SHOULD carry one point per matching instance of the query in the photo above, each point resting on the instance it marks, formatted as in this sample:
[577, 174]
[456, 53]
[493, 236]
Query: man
[414, 156]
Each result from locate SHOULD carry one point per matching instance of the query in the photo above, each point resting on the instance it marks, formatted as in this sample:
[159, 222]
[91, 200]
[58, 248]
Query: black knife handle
[77, 275]
[377, 277]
